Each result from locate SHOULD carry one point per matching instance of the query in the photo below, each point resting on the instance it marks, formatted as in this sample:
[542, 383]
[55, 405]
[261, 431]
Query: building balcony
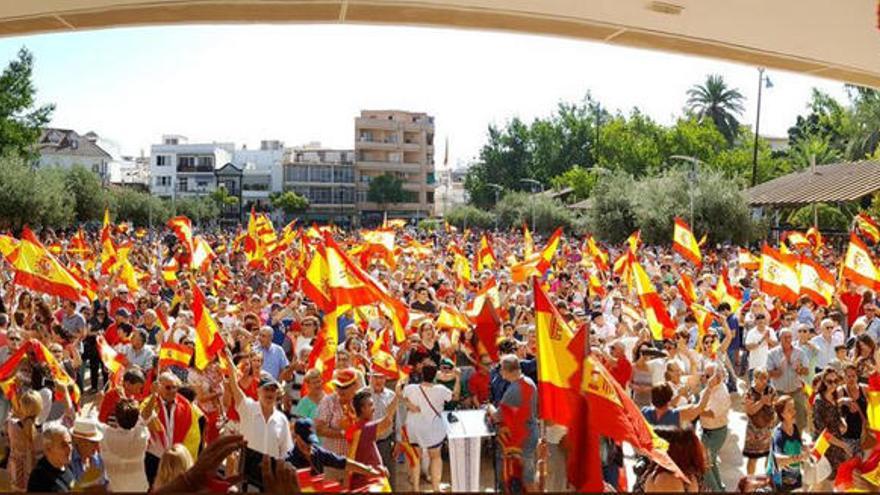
[384, 124]
[195, 169]
[364, 144]
[413, 168]
[292, 183]
[396, 206]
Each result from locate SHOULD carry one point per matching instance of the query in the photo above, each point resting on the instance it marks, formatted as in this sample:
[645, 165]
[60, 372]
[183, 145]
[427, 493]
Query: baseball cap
[267, 380]
[304, 428]
[123, 312]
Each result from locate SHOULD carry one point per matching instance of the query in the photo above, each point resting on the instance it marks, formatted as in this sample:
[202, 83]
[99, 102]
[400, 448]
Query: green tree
[828, 119]
[88, 194]
[810, 148]
[612, 216]
[20, 120]
[289, 202]
[578, 178]
[829, 217]
[198, 209]
[864, 135]
[517, 208]
[32, 197]
[715, 101]
[503, 160]
[140, 208]
[386, 189]
[465, 216]
[222, 198]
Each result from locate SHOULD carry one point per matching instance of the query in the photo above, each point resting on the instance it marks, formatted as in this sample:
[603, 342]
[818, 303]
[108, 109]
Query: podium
[465, 436]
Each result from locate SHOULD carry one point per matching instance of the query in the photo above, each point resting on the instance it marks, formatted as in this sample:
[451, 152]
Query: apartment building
[261, 172]
[181, 169]
[399, 143]
[326, 177]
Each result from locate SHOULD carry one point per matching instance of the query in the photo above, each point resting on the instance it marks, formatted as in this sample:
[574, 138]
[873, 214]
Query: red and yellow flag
[59, 376]
[599, 256]
[171, 354]
[684, 242]
[686, 288]
[822, 444]
[182, 228]
[747, 260]
[725, 292]
[858, 267]
[661, 325]
[487, 327]
[538, 263]
[379, 243]
[779, 275]
[108, 249]
[555, 364]
[485, 255]
[816, 282]
[208, 342]
[37, 269]
[452, 318]
[528, 242]
[795, 239]
[869, 228]
[202, 255]
[112, 360]
[815, 238]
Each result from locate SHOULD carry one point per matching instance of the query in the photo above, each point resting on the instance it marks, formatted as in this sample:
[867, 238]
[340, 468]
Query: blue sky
[302, 83]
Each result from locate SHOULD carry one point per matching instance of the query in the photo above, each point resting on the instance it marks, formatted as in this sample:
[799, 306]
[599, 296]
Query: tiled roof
[67, 142]
[839, 182]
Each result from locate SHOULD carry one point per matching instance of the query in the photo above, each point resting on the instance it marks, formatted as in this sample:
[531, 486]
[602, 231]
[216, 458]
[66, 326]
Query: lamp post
[762, 80]
[692, 178]
[498, 190]
[533, 182]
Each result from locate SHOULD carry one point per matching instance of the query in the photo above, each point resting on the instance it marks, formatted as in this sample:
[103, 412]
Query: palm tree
[714, 100]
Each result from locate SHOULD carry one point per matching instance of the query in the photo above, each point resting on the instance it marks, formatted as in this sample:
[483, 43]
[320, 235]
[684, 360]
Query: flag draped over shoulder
[684, 242]
[555, 364]
[37, 269]
[779, 275]
[208, 342]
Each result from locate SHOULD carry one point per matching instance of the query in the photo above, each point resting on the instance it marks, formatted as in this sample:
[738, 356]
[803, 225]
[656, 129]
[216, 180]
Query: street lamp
[762, 81]
[498, 189]
[533, 182]
[692, 177]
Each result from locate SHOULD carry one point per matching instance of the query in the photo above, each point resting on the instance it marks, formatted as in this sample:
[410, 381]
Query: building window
[161, 160]
[343, 174]
[365, 179]
[186, 161]
[429, 197]
[321, 195]
[430, 179]
[201, 185]
[181, 184]
[321, 174]
[362, 196]
[343, 195]
[296, 173]
[163, 181]
[206, 162]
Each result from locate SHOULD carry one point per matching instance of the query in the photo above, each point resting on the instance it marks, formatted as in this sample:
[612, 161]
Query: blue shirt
[274, 359]
[78, 470]
[671, 418]
[789, 381]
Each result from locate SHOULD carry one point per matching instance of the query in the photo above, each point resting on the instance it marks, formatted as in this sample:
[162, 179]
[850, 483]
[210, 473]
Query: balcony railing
[196, 169]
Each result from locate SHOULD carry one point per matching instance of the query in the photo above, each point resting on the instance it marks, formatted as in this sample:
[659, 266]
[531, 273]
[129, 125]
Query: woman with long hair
[686, 450]
[787, 448]
[827, 418]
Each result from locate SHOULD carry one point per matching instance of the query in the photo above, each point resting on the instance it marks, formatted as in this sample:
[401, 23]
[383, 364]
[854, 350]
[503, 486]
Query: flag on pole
[182, 228]
[555, 364]
[868, 227]
[779, 275]
[171, 354]
[208, 342]
[661, 325]
[684, 242]
[36, 268]
[858, 267]
[686, 288]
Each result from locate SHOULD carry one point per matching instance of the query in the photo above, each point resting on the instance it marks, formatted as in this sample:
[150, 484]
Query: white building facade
[180, 169]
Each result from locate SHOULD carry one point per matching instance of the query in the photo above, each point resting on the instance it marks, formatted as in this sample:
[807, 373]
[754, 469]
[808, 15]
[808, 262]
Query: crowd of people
[135, 416]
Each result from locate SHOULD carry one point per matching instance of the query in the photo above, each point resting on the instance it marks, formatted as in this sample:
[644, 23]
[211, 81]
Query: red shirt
[622, 372]
[478, 386]
[853, 303]
[108, 405]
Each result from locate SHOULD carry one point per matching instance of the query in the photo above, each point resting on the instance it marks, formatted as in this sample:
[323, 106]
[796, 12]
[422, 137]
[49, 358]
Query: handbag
[815, 471]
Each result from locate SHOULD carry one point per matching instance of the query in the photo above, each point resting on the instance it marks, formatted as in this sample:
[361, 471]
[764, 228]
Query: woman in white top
[123, 449]
[424, 423]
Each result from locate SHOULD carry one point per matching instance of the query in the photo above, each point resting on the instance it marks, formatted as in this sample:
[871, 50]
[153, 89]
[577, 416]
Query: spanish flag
[686, 288]
[684, 242]
[873, 413]
[112, 360]
[485, 255]
[555, 364]
[726, 292]
[815, 238]
[37, 269]
[634, 240]
[487, 328]
[661, 325]
[171, 354]
[596, 289]
[78, 245]
[108, 250]
[537, 264]
[528, 243]
[202, 255]
[315, 283]
[182, 228]
[460, 265]
[452, 318]
[816, 282]
[59, 376]
[779, 275]
[868, 227]
[704, 317]
[600, 257]
[208, 342]
[795, 239]
[323, 355]
[747, 260]
[378, 243]
[822, 444]
[7, 245]
[169, 271]
[858, 266]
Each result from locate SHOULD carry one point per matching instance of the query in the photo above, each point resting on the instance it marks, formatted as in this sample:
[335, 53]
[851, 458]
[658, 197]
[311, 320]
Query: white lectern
[464, 447]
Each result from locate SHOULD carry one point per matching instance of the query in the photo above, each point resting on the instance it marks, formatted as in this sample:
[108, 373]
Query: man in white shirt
[264, 427]
[759, 340]
[825, 342]
[714, 420]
